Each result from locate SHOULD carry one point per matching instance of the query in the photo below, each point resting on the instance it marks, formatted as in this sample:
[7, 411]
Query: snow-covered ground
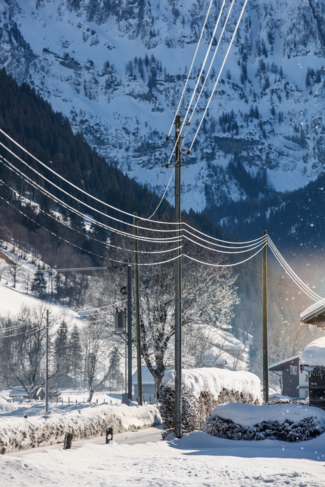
[196, 460]
[26, 425]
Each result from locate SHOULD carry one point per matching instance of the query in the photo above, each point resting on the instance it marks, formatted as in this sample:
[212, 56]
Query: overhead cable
[189, 73]
[292, 274]
[220, 71]
[83, 215]
[102, 202]
[212, 60]
[90, 237]
[73, 185]
[25, 333]
[80, 248]
[163, 196]
[199, 77]
[223, 265]
[222, 246]
[224, 251]
[79, 201]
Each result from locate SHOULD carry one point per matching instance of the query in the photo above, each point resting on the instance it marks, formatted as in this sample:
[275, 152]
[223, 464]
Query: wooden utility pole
[47, 363]
[137, 305]
[265, 345]
[129, 295]
[178, 283]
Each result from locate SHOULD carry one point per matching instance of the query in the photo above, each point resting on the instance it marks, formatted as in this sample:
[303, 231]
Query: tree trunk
[91, 393]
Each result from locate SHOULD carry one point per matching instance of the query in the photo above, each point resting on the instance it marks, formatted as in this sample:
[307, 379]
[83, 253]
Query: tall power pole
[137, 305]
[129, 296]
[47, 363]
[265, 344]
[178, 283]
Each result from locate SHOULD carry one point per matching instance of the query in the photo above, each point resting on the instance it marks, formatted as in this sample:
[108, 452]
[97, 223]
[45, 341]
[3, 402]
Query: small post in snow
[67, 441]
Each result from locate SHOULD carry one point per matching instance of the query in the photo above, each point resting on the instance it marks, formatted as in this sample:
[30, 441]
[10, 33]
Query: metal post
[47, 363]
[265, 345]
[137, 305]
[178, 285]
[129, 294]
[126, 356]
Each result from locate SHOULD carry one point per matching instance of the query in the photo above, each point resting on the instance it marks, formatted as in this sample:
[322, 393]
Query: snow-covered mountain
[117, 69]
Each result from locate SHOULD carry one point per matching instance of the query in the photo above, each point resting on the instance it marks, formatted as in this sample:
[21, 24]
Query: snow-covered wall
[215, 380]
[18, 434]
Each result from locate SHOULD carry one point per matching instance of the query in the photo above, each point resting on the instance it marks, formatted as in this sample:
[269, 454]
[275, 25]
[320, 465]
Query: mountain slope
[117, 71]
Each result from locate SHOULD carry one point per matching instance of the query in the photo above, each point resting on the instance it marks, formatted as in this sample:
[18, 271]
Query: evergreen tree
[61, 356]
[39, 284]
[75, 354]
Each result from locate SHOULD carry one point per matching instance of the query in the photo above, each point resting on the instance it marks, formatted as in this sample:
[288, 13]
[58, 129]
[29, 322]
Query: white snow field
[82, 420]
[196, 460]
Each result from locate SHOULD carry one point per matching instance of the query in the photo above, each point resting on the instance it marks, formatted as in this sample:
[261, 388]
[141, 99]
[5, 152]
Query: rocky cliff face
[117, 69]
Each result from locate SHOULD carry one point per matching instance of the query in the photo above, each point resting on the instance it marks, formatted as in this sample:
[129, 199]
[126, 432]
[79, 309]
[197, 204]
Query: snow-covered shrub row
[202, 390]
[285, 422]
[17, 434]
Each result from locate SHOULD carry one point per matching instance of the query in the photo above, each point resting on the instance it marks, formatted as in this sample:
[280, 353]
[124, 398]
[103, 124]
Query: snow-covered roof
[146, 376]
[283, 362]
[313, 311]
[314, 353]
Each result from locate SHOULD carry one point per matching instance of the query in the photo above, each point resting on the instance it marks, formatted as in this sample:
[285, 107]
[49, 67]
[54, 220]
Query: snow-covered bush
[202, 390]
[285, 422]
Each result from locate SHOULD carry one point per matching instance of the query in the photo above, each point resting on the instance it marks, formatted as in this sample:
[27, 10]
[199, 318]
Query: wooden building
[295, 382]
[313, 357]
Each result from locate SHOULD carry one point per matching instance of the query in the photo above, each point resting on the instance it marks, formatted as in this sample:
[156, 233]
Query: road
[130, 438]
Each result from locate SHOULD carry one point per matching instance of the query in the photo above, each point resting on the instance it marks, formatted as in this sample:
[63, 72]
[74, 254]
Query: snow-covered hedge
[18, 434]
[285, 422]
[202, 390]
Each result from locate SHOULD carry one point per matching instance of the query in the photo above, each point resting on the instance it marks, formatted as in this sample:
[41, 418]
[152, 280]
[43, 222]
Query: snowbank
[18, 434]
[215, 380]
[314, 353]
[249, 415]
[5, 406]
[285, 422]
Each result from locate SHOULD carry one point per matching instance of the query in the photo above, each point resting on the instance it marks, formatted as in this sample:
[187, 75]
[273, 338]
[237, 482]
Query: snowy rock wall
[17, 434]
[117, 70]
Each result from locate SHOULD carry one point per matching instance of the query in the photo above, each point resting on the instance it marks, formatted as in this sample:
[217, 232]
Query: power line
[80, 248]
[25, 333]
[100, 201]
[91, 237]
[83, 215]
[76, 199]
[199, 77]
[211, 63]
[292, 274]
[224, 265]
[71, 184]
[188, 76]
[224, 251]
[216, 83]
